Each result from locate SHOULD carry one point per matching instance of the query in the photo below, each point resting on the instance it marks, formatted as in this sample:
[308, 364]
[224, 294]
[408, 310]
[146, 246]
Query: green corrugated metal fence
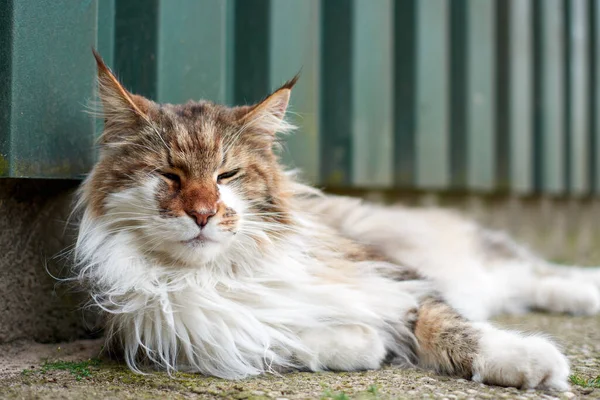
[467, 95]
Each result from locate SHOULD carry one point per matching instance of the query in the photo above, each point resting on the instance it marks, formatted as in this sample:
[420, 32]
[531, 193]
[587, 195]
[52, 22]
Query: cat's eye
[227, 175]
[172, 177]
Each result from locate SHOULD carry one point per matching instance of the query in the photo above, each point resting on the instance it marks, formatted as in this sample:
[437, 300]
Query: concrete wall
[32, 229]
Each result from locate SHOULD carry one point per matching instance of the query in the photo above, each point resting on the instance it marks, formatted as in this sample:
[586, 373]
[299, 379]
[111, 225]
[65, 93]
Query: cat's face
[189, 181]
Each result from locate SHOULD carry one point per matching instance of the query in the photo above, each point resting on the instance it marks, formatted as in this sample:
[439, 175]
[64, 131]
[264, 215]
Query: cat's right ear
[120, 108]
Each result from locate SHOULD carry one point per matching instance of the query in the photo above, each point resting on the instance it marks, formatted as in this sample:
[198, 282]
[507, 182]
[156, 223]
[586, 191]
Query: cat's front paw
[509, 359]
[342, 348]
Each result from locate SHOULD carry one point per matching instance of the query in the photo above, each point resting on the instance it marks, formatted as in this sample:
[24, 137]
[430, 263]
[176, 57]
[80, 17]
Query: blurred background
[489, 106]
[477, 95]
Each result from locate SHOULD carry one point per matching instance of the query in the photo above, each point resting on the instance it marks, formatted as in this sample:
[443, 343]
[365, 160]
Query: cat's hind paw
[589, 274]
[509, 359]
[567, 295]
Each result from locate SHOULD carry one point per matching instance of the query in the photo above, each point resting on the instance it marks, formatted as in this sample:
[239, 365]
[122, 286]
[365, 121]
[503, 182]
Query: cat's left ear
[268, 115]
[123, 112]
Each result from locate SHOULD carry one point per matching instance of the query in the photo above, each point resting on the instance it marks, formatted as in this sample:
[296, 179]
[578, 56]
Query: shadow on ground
[73, 371]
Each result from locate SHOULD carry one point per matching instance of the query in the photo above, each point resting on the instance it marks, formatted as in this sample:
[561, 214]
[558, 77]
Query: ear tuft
[291, 83]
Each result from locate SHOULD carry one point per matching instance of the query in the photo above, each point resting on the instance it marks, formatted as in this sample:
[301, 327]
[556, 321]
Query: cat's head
[187, 181]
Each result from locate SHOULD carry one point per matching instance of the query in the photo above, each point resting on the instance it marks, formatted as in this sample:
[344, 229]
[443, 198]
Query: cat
[205, 255]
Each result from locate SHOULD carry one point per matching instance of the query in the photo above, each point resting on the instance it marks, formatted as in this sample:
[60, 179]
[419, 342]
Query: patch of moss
[80, 369]
[586, 383]
[328, 394]
[4, 166]
[373, 390]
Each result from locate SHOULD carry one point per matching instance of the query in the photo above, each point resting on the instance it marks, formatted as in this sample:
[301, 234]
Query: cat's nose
[202, 217]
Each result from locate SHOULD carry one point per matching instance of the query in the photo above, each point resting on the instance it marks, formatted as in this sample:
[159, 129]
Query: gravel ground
[32, 371]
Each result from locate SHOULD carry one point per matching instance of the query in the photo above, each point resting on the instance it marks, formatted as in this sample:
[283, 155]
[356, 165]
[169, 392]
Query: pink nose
[201, 217]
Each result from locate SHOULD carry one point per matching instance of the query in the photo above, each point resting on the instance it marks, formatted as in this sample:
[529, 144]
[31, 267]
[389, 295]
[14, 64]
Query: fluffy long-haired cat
[206, 256]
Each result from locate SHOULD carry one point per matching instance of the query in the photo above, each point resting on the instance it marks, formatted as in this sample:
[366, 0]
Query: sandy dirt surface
[73, 371]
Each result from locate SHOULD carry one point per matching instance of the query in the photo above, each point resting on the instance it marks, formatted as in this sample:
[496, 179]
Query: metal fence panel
[44, 87]
[552, 95]
[372, 94]
[481, 95]
[595, 95]
[578, 84]
[520, 95]
[295, 46]
[336, 92]
[405, 71]
[432, 128]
